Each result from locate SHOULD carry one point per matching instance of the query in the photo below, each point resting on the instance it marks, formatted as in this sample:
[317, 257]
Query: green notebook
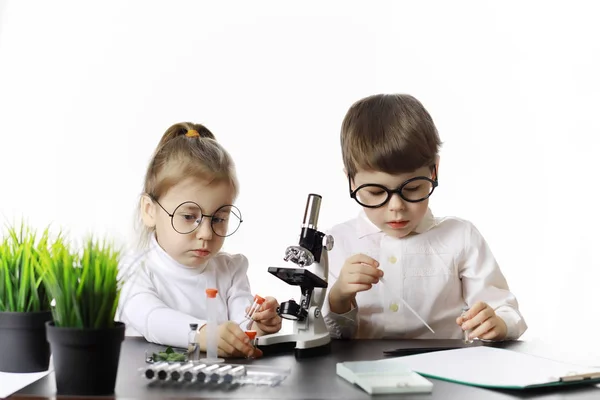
[495, 368]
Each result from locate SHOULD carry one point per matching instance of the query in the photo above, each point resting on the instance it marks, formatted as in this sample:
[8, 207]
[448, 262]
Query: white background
[88, 88]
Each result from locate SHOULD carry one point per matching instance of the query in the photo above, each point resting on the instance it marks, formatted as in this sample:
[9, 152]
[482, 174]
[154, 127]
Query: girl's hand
[232, 342]
[266, 319]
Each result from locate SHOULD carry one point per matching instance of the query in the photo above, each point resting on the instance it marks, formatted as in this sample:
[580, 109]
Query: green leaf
[21, 288]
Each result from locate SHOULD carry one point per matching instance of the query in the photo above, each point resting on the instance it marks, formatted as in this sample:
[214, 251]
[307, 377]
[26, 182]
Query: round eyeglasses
[188, 216]
[374, 195]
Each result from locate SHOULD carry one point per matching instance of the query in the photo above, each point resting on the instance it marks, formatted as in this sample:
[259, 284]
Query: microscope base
[304, 346]
[313, 351]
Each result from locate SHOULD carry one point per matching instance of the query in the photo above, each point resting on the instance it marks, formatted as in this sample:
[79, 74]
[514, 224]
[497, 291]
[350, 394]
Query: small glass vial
[466, 333]
[212, 328]
[193, 345]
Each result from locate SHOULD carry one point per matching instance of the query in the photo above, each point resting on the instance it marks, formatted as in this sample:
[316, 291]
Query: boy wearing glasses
[396, 266]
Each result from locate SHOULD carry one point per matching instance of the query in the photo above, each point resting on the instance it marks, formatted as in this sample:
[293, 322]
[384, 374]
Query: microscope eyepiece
[311, 213]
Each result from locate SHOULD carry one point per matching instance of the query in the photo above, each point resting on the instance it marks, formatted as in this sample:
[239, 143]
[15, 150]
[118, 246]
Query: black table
[313, 378]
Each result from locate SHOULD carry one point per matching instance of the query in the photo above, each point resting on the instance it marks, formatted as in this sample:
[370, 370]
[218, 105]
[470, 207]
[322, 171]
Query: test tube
[258, 301]
[466, 333]
[164, 373]
[180, 373]
[177, 372]
[233, 373]
[212, 329]
[248, 320]
[151, 371]
[216, 375]
[190, 375]
[201, 375]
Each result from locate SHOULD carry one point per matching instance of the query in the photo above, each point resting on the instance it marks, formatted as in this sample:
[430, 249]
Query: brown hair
[392, 133]
[186, 150]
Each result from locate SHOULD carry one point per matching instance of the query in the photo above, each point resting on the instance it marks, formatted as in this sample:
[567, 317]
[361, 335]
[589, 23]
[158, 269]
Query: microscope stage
[298, 277]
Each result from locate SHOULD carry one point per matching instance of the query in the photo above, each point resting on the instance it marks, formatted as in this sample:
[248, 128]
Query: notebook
[383, 377]
[492, 367]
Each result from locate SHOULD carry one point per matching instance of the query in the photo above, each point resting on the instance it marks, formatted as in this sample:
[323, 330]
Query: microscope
[310, 336]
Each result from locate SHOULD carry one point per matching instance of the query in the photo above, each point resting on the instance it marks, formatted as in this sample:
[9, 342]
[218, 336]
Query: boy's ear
[437, 167]
[148, 211]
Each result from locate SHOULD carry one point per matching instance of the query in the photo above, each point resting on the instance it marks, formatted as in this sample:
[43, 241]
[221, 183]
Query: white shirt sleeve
[239, 295]
[340, 326]
[482, 280]
[142, 309]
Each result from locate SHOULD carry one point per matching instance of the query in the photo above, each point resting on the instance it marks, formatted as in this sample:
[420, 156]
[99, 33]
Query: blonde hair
[185, 150]
[392, 133]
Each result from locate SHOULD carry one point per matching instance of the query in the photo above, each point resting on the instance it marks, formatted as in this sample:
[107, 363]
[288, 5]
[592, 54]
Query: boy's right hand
[233, 342]
[359, 273]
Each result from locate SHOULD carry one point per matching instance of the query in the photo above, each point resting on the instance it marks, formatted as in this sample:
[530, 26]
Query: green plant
[21, 288]
[168, 355]
[84, 285]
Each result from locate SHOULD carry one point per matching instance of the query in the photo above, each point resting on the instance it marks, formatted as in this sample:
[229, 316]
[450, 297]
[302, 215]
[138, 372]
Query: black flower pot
[23, 345]
[85, 360]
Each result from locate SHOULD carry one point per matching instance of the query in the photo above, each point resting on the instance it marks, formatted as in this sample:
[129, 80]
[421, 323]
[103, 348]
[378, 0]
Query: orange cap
[259, 299]
[250, 334]
[212, 293]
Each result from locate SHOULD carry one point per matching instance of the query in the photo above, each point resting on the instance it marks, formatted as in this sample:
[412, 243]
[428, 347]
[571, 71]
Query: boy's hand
[232, 341]
[484, 322]
[266, 319]
[358, 274]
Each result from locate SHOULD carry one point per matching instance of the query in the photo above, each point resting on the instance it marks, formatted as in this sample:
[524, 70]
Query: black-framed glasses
[188, 216]
[374, 195]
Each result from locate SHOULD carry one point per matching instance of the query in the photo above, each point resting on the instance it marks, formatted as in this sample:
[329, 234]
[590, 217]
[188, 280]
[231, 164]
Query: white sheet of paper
[12, 382]
[491, 367]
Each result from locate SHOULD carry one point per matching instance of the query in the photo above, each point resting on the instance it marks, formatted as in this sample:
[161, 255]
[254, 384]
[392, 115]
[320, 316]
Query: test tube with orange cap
[246, 325]
[212, 328]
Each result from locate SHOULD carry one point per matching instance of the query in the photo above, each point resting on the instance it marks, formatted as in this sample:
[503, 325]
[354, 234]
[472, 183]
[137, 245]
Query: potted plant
[84, 338]
[24, 305]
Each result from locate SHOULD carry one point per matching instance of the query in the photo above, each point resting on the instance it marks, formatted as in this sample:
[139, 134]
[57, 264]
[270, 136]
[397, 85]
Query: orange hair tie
[192, 133]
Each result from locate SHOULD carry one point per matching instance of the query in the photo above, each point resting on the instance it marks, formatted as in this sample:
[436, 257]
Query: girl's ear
[437, 167]
[148, 211]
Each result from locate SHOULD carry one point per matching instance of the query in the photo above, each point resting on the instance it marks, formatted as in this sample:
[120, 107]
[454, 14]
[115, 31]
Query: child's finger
[491, 334]
[476, 309]
[363, 259]
[482, 329]
[478, 319]
[264, 315]
[257, 353]
[238, 339]
[368, 270]
[270, 303]
[225, 349]
[362, 278]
